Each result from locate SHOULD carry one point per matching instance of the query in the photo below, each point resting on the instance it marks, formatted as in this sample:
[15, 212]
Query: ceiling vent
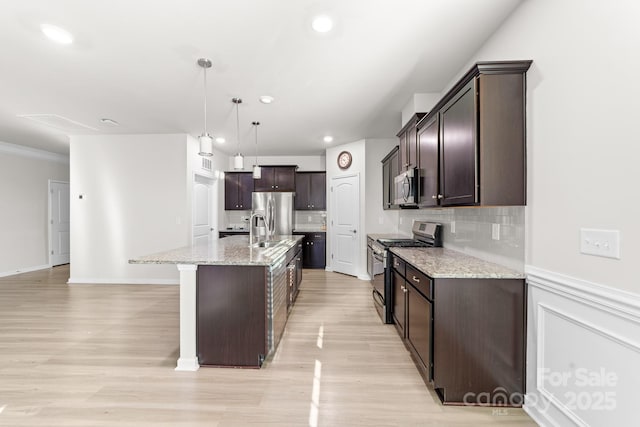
[58, 122]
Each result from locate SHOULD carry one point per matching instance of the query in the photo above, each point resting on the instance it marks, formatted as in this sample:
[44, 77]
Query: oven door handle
[378, 297]
[379, 257]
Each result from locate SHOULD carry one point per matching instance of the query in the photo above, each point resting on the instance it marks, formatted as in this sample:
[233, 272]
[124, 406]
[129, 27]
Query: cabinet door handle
[311, 205]
[276, 186]
[236, 206]
[415, 279]
[440, 196]
[311, 243]
[434, 197]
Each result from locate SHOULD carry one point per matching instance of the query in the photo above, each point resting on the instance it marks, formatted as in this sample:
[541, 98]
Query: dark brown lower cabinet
[468, 339]
[314, 252]
[419, 324]
[399, 303]
[231, 324]
[479, 341]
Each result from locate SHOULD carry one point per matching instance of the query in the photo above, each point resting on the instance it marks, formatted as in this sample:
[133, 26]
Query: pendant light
[238, 159]
[257, 170]
[206, 142]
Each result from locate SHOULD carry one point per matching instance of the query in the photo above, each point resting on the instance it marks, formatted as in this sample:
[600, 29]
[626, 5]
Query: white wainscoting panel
[583, 352]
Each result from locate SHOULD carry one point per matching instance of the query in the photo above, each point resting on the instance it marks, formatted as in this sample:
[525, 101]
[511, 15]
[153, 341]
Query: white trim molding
[98, 281]
[583, 350]
[21, 150]
[24, 270]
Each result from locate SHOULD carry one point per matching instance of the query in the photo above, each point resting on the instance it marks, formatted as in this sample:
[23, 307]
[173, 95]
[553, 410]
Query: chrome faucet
[251, 225]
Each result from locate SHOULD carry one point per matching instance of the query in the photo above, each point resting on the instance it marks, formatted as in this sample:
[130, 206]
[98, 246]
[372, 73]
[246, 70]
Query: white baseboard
[77, 281]
[364, 277]
[329, 269]
[583, 349]
[24, 270]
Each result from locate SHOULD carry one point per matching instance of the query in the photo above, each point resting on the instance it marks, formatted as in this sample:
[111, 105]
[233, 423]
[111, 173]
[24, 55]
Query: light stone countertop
[447, 263]
[309, 230]
[232, 250]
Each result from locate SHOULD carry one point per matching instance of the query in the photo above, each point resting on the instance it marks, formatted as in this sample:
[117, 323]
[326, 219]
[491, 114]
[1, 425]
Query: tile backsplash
[236, 219]
[302, 219]
[473, 231]
[309, 219]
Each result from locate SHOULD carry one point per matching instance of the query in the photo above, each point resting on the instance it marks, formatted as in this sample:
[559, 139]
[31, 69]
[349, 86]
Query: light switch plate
[495, 231]
[453, 227]
[604, 243]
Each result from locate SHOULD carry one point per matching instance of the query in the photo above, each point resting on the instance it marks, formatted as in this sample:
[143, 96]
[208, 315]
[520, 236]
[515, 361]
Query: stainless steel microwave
[406, 188]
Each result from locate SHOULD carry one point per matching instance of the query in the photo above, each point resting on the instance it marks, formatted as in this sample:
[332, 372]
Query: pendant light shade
[206, 145]
[257, 170]
[238, 159]
[206, 142]
[238, 162]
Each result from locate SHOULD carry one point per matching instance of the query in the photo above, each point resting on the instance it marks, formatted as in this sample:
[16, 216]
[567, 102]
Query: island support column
[188, 360]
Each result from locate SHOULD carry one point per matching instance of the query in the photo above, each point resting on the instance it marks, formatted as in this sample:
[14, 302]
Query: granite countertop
[317, 229]
[232, 250]
[447, 263]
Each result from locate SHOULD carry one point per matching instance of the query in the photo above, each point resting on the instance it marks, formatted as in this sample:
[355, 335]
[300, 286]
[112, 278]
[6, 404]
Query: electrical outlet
[604, 243]
[495, 231]
[453, 227]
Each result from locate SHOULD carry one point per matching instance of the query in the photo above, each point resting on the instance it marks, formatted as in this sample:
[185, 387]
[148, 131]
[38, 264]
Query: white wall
[358, 166]
[305, 163]
[135, 202]
[419, 103]
[24, 176]
[582, 111]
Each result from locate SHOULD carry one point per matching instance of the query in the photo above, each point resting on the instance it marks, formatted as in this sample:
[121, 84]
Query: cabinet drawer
[399, 265]
[420, 281]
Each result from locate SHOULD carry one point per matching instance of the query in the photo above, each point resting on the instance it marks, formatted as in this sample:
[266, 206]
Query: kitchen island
[234, 298]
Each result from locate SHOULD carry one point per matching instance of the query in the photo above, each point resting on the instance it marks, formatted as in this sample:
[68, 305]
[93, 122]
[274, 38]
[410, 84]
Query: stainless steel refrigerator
[277, 209]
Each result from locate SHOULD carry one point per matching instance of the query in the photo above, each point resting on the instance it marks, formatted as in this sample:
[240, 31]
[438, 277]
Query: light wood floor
[103, 355]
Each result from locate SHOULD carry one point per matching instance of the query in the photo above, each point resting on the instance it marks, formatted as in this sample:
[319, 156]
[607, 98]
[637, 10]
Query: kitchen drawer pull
[415, 279]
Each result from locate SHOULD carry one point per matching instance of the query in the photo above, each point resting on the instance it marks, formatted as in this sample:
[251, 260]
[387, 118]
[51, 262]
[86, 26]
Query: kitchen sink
[265, 244]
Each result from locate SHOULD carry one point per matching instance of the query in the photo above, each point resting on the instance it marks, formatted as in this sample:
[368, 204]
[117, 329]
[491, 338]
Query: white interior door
[345, 217]
[202, 210]
[59, 222]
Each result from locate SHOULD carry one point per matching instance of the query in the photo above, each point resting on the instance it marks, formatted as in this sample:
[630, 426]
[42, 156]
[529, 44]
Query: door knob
[354, 231]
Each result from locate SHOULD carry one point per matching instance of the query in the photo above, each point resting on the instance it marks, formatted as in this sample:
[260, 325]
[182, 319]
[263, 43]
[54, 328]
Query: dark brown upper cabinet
[276, 178]
[428, 154]
[408, 143]
[474, 140]
[311, 191]
[390, 170]
[237, 191]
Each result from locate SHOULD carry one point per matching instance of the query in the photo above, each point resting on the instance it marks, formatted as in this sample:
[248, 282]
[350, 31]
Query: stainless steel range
[425, 234]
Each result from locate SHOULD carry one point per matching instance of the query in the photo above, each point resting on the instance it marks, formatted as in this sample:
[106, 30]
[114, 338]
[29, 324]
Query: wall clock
[344, 160]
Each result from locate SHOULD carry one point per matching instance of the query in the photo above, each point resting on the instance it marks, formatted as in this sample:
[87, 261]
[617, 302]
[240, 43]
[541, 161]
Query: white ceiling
[134, 61]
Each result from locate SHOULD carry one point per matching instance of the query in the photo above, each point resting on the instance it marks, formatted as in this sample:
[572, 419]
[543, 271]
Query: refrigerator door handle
[270, 216]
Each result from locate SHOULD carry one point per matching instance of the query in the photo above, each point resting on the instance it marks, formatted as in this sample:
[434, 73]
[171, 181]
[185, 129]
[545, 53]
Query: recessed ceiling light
[56, 34]
[266, 99]
[110, 122]
[322, 24]
[220, 140]
[328, 139]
